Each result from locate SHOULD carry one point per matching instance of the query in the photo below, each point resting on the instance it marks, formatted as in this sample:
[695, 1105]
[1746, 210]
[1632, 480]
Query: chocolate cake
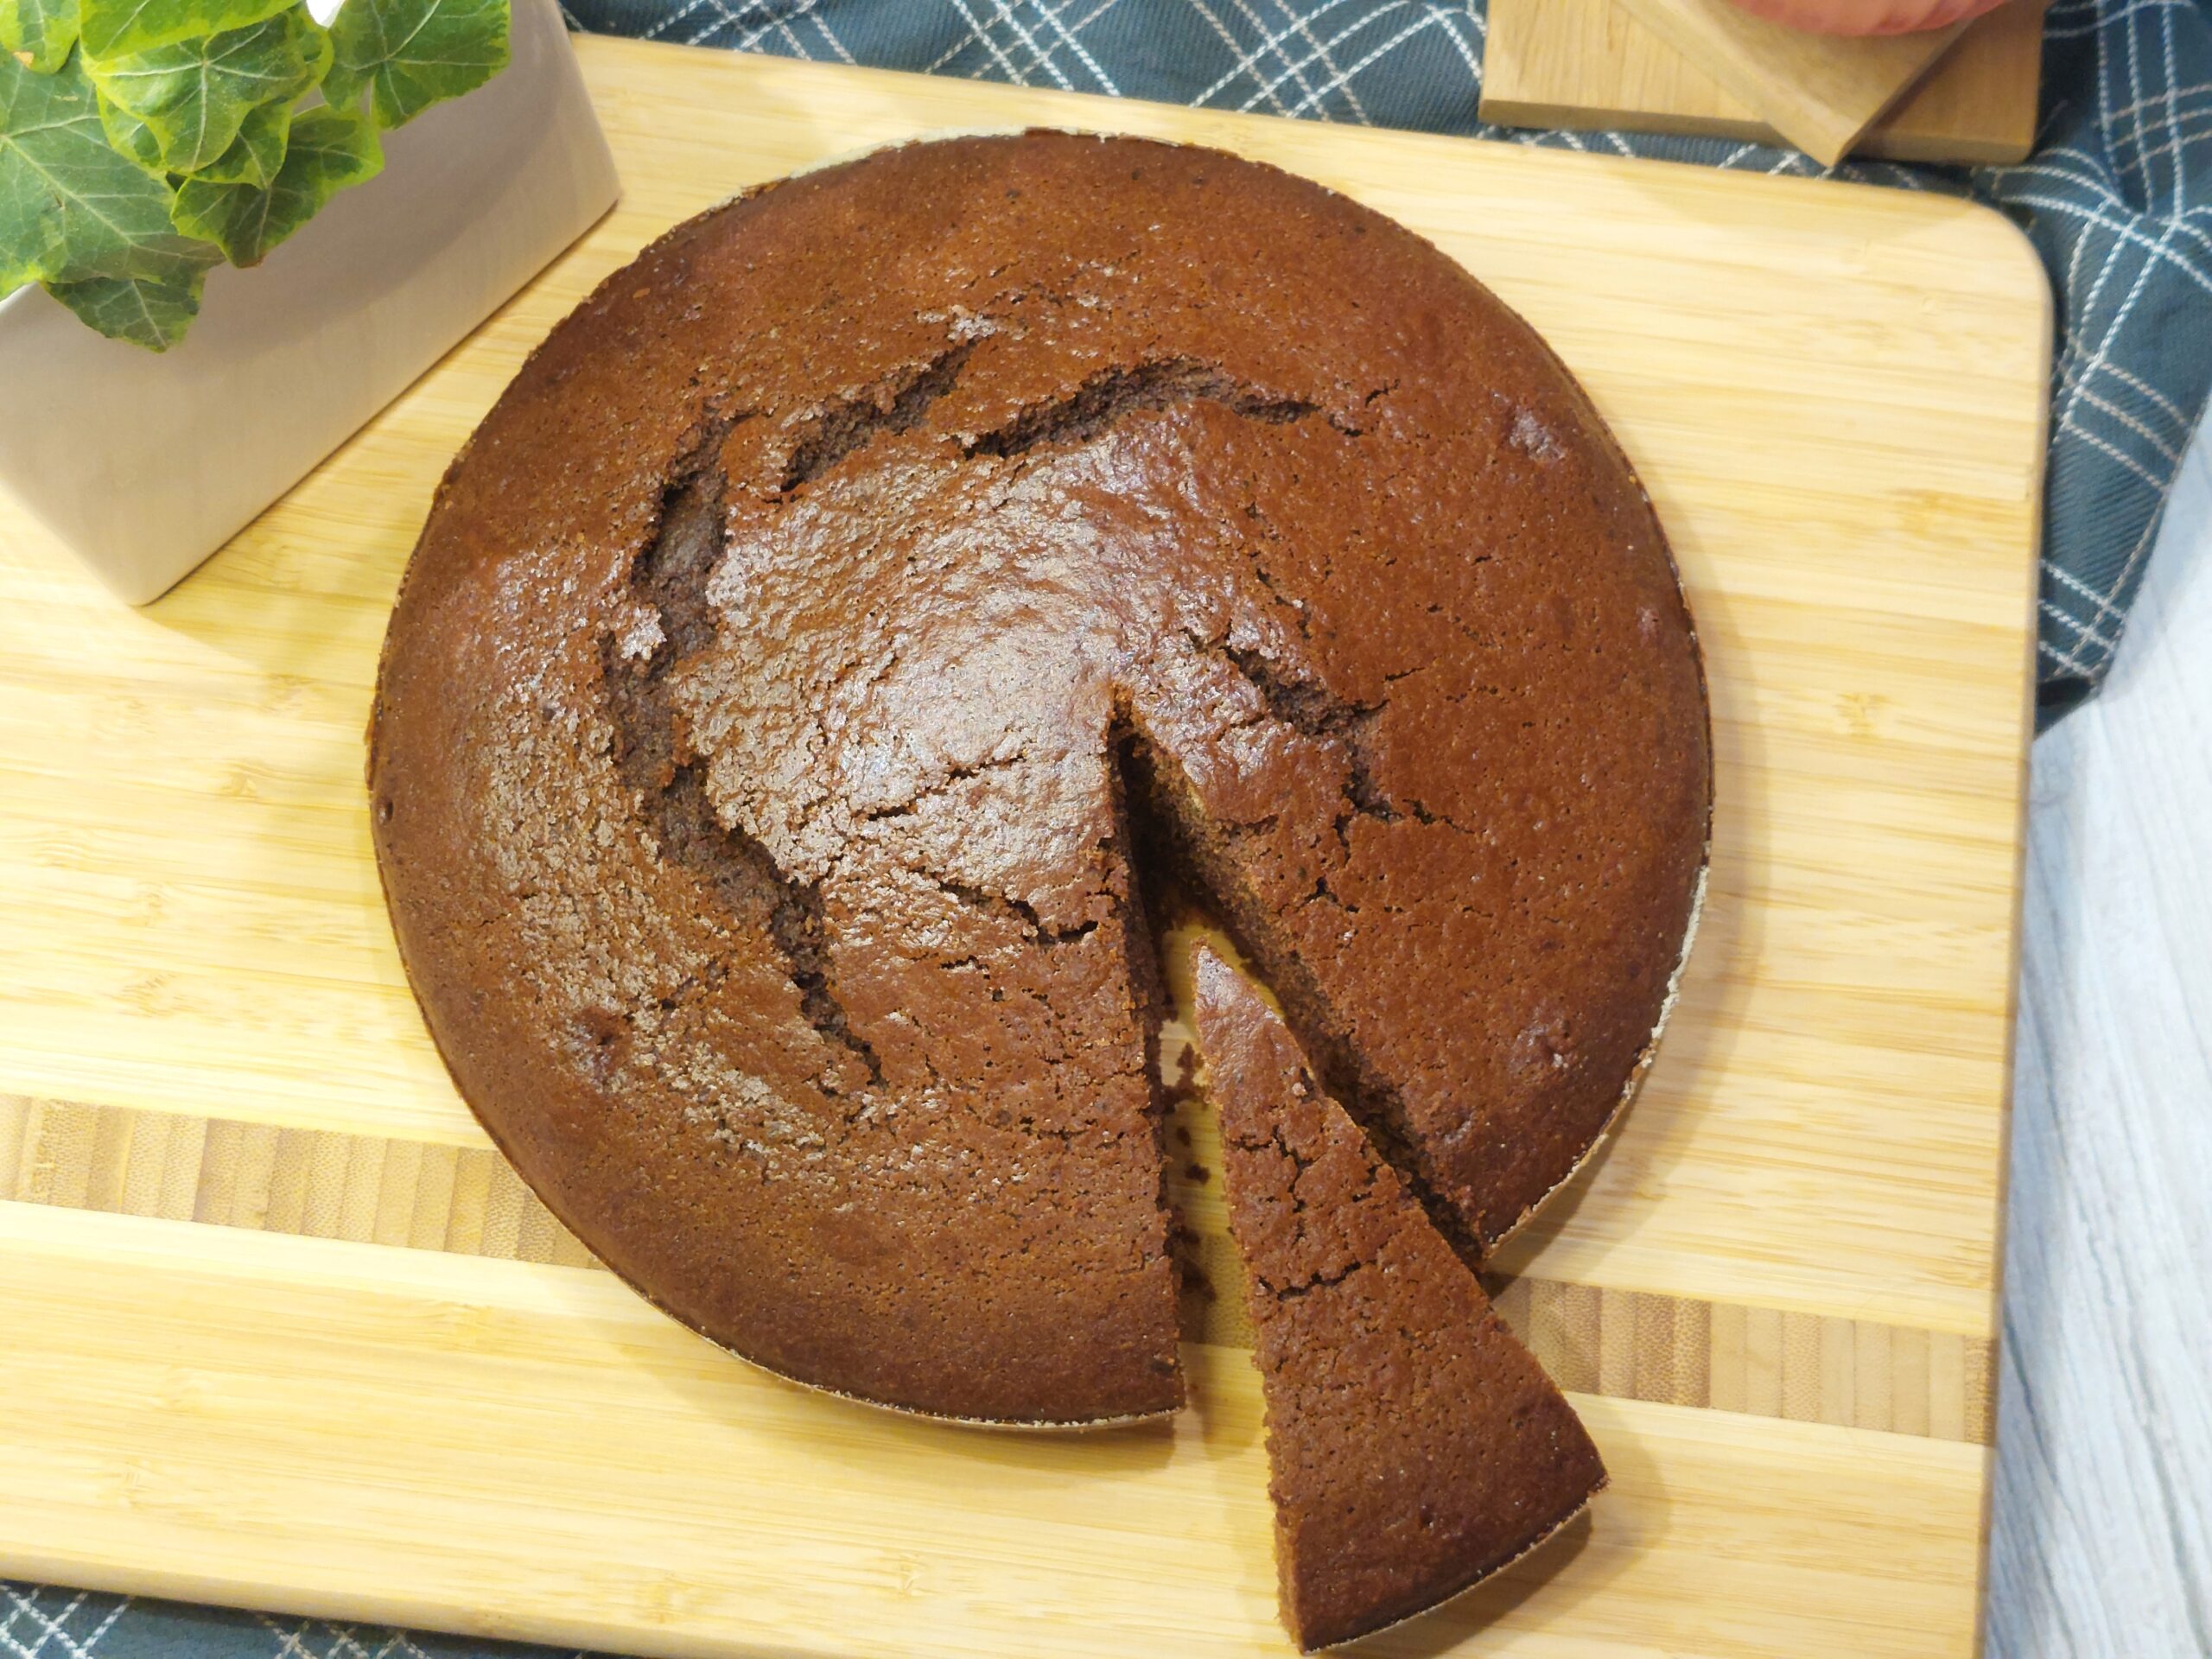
[769, 698]
[1414, 1445]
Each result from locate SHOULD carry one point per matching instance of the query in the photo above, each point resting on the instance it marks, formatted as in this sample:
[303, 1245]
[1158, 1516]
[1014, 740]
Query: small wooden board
[1590, 65]
[277, 1326]
[1819, 92]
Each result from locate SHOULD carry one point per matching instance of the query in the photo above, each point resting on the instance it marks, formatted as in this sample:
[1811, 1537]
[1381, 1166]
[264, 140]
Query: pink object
[1868, 17]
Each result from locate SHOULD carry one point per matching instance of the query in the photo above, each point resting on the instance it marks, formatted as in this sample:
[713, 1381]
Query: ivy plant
[144, 142]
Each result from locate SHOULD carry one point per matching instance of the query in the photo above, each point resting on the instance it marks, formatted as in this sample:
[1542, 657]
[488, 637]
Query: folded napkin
[2118, 198]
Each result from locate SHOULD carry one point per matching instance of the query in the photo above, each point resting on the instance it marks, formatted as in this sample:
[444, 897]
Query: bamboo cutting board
[276, 1326]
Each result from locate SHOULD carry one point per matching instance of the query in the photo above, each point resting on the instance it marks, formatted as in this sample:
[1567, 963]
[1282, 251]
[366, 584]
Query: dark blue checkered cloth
[2118, 197]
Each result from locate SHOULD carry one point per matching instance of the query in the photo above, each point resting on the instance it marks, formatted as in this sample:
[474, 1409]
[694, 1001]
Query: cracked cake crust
[765, 705]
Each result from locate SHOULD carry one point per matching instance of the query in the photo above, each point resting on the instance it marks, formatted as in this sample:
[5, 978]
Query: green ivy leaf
[148, 314]
[133, 137]
[40, 31]
[258, 151]
[329, 151]
[112, 27]
[412, 54]
[192, 96]
[71, 208]
[140, 141]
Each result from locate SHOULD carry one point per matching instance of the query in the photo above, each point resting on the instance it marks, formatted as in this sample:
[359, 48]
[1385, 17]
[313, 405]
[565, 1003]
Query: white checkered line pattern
[41, 1624]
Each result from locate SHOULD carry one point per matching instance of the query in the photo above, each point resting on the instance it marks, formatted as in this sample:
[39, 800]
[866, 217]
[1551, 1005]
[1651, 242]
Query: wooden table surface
[2102, 1543]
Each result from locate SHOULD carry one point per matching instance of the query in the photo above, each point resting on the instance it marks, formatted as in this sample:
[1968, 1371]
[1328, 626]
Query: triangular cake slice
[1415, 1447]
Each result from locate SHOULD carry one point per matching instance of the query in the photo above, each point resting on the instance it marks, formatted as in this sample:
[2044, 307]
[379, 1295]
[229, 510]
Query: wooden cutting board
[1590, 65]
[277, 1327]
[1820, 92]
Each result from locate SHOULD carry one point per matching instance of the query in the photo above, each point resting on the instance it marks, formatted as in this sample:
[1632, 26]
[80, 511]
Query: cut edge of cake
[1358, 1575]
[1184, 833]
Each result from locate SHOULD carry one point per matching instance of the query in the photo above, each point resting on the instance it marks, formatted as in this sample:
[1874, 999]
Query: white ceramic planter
[145, 464]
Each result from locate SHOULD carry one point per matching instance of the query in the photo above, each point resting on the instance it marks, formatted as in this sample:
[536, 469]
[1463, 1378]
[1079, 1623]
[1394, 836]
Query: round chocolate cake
[807, 653]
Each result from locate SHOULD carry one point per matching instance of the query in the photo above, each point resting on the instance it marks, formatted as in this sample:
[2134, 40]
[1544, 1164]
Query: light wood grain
[1834, 396]
[1590, 65]
[527, 1451]
[372, 1190]
[1819, 92]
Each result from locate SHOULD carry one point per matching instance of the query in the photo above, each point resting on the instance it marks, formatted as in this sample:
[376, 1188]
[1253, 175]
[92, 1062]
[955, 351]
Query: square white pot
[146, 463]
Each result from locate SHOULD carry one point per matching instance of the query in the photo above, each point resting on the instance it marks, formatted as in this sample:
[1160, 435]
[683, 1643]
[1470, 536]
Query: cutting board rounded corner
[2012, 254]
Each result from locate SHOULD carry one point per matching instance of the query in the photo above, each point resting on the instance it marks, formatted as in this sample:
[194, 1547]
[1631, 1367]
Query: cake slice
[1414, 1445]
